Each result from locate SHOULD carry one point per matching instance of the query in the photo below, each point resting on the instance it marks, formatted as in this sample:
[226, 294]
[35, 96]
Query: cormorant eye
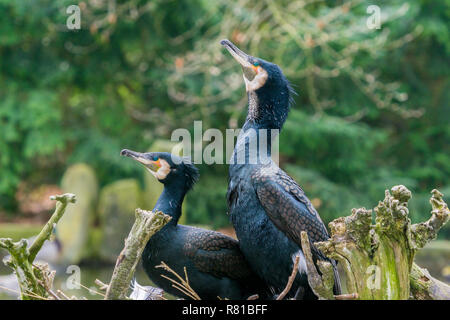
[155, 158]
[256, 63]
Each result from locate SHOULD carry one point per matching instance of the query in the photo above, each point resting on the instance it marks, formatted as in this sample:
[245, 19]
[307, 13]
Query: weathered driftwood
[378, 258]
[35, 279]
[146, 225]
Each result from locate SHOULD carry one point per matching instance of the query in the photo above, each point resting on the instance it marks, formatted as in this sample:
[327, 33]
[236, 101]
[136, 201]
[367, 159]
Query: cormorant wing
[217, 254]
[288, 207]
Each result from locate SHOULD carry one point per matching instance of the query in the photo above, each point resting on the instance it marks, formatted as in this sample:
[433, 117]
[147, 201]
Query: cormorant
[267, 207]
[214, 263]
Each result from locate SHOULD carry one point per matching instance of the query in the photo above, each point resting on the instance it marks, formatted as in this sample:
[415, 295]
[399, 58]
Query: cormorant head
[169, 169]
[268, 89]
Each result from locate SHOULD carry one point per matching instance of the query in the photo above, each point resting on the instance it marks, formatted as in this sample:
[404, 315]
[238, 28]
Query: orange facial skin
[157, 163]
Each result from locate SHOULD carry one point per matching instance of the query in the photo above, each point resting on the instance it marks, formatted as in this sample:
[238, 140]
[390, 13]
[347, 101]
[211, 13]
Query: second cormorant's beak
[246, 61]
[142, 158]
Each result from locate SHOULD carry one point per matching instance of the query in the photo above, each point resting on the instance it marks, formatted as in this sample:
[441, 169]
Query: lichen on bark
[378, 257]
[35, 279]
[147, 223]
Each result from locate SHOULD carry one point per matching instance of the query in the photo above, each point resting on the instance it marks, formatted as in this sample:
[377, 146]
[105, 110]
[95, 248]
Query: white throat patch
[162, 172]
[258, 81]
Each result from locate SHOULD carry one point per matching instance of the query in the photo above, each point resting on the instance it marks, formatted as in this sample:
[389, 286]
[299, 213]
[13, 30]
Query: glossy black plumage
[287, 205]
[214, 262]
[267, 207]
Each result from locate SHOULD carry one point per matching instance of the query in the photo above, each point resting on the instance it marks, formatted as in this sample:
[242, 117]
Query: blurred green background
[372, 109]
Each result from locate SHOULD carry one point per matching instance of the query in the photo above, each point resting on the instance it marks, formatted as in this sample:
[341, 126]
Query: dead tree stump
[378, 257]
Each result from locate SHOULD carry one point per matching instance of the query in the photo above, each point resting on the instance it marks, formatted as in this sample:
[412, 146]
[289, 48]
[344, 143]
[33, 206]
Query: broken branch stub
[35, 279]
[377, 258]
[62, 202]
[146, 225]
[321, 284]
[422, 233]
[425, 287]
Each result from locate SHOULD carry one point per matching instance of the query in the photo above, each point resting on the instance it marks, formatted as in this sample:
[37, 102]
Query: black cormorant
[214, 263]
[267, 207]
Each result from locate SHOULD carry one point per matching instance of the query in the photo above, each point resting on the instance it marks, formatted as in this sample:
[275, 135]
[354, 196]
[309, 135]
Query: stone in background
[117, 205]
[74, 227]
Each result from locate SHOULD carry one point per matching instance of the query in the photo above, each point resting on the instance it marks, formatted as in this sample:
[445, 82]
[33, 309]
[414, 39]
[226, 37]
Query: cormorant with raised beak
[214, 262]
[267, 207]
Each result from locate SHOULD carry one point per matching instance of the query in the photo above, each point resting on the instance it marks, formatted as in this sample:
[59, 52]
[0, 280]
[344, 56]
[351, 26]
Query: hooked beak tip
[126, 153]
[241, 57]
[140, 157]
[129, 153]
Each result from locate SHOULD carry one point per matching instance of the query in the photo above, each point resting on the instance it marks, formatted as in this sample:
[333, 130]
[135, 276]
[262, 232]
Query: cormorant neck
[170, 202]
[268, 108]
[253, 145]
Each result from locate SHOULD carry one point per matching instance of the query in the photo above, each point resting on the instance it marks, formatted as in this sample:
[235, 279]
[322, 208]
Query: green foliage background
[371, 111]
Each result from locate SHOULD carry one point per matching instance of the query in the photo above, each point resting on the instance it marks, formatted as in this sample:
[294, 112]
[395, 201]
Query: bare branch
[146, 225]
[426, 231]
[46, 232]
[182, 284]
[425, 287]
[290, 280]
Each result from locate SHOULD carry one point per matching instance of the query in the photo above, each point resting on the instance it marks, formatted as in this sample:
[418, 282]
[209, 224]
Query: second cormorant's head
[169, 169]
[268, 89]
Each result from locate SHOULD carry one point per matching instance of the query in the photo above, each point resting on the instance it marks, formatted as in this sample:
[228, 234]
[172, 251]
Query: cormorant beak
[141, 157]
[245, 60]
